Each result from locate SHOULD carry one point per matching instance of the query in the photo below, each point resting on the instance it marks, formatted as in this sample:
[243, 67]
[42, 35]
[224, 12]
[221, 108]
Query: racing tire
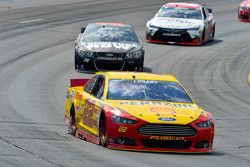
[203, 36]
[213, 33]
[103, 131]
[77, 62]
[72, 121]
[140, 67]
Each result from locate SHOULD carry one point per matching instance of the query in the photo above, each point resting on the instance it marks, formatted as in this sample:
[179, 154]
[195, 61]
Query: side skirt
[80, 134]
[86, 136]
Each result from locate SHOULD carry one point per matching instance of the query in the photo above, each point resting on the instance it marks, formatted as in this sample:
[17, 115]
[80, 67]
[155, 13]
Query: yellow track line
[248, 78]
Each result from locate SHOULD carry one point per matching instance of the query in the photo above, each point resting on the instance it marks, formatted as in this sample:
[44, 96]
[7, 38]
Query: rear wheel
[213, 33]
[72, 122]
[103, 131]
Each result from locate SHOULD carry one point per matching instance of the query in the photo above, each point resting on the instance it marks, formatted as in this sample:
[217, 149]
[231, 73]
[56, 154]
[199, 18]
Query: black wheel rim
[103, 132]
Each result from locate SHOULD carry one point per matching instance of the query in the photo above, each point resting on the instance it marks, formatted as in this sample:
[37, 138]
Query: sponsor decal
[78, 96]
[167, 138]
[183, 105]
[109, 58]
[166, 119]
[111, 140]
[142, 103]
[146, 81]
[163, 110]
[78, 108]
[122, 129]
[88, 114]
[174, 20]
[168, 34]
[109, 54]
[86, 60]
[107, 45]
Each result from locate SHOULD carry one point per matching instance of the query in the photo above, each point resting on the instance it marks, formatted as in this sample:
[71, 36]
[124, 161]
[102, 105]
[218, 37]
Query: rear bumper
[244, 15]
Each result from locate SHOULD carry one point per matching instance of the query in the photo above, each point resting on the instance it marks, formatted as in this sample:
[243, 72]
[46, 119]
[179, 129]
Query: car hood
[160, 112]
[176, 23]
[110, 46]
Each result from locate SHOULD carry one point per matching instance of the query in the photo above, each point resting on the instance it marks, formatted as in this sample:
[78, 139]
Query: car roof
[138, 75]
[183, 5]
[112, 24]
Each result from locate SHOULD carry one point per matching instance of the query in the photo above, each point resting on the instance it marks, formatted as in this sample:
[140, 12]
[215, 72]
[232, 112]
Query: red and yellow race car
[137, 111]
[244, 11]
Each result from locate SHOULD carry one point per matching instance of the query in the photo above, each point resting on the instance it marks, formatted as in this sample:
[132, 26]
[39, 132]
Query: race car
[181, 23]
[244, 11]
[108, 46]
[137, 111]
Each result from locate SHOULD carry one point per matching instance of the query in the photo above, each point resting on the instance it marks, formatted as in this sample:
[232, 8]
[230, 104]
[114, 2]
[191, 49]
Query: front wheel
[103, 131]
[203, 36]
[77, 62]
[140, 66]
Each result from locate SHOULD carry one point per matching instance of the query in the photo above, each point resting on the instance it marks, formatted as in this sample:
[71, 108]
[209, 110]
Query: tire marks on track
[31, 153]
[32, 52]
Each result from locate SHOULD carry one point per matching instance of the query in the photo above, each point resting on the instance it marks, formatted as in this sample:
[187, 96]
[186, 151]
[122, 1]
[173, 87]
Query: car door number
[89, 110]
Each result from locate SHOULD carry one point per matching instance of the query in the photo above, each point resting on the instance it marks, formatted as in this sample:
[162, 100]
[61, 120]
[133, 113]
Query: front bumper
[108, 63]
[244, 15]
[173, 36]
[127, 137]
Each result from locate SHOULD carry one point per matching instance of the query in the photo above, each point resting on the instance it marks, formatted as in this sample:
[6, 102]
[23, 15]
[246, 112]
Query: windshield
[99, 33]
[175, 12]
[147, 90]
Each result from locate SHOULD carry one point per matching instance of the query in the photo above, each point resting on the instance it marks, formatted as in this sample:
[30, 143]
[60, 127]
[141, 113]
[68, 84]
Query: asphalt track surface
[36, 63]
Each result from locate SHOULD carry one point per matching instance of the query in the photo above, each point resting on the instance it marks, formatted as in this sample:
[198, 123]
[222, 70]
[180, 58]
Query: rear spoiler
[78, 82]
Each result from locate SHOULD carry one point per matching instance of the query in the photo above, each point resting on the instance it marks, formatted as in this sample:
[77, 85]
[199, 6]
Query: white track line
[30, 21]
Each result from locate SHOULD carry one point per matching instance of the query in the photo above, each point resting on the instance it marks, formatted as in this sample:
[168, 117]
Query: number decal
[89, 110]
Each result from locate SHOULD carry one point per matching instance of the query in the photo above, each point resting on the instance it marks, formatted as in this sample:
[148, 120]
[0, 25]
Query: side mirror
[83, 29]
[210, 10]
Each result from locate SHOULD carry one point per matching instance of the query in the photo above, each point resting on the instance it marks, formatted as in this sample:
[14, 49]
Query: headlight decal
[204, 124]
[194, 29]
[134, 55]
[122, 120]
[83, 53]
[205, 120]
